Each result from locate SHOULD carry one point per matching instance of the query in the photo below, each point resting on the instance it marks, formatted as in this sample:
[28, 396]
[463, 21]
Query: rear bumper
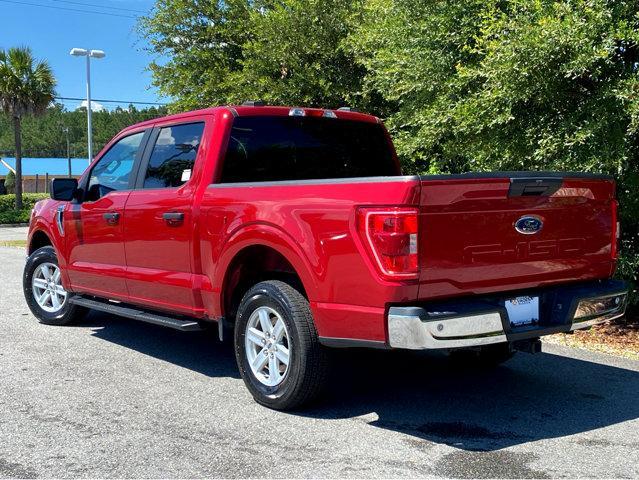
[484, 320]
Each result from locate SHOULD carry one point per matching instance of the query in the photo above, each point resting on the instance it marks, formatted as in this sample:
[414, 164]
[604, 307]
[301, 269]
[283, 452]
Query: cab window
[113, 170]
[173, 156]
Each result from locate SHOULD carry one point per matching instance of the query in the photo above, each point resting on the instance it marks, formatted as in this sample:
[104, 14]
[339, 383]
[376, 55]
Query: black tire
[69, 313]
[484, 357]
[309, 361]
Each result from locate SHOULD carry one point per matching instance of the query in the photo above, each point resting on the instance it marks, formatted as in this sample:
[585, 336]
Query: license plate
[523, 310]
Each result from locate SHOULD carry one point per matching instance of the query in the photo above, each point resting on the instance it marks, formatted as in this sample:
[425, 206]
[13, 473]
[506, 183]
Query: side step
[135, 313]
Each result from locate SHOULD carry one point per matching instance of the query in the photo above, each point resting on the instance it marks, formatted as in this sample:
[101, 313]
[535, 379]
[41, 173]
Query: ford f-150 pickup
[295, 229]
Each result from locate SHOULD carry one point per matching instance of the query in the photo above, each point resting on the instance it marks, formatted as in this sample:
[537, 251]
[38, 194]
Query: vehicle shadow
[532, 397]
[197, 351]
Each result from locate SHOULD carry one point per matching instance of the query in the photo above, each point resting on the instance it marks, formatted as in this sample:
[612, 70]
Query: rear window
[271, 148]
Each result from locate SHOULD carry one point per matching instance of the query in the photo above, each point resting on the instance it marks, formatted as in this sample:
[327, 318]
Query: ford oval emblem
[528, 225]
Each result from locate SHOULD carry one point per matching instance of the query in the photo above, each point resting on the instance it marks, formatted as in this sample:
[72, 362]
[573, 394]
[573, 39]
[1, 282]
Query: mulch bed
[620, 339]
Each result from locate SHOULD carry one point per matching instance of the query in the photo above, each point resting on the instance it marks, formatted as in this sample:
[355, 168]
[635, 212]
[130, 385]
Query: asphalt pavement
[111, 397]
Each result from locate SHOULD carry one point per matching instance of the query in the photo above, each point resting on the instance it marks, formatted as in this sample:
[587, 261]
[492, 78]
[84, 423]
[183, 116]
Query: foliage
[8, 214]
[27, 87]
[10, 182]
[284, 52]
[45, 137]
[512, 85]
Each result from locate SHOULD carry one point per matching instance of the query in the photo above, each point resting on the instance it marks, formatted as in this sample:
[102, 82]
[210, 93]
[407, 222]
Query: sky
[52, 27]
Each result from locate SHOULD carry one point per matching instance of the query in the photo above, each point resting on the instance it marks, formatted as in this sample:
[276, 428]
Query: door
[93, 226]
[158, 227]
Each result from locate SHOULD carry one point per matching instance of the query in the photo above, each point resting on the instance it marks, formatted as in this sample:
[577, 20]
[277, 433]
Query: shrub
[10, 182]
[8, 214]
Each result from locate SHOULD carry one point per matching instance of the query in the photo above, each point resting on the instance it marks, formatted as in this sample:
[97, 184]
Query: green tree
[284, 52]
[26, 88]
[297, 55]
[44, 136]
[203, 44]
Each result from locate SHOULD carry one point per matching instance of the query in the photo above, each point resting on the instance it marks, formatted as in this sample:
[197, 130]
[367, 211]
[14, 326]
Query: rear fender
[267, 235]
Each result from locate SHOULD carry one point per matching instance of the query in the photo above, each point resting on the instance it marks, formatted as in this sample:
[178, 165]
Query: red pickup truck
[296, 228]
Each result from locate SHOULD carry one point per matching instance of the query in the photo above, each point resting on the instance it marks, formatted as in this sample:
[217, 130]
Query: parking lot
[115, 398]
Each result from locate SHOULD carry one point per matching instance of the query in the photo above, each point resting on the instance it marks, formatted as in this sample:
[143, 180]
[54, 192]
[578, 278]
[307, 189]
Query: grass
[13, 243]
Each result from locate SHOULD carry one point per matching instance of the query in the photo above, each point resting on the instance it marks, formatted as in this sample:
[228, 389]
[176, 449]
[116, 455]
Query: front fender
[43, 221]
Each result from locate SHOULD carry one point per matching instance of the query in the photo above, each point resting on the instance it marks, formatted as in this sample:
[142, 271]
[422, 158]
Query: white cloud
[95, 106]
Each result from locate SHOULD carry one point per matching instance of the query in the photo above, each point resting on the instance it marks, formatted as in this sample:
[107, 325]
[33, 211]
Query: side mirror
[64, 189]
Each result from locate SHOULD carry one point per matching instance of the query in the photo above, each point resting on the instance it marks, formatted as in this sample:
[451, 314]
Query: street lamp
[66, 130]
[81, 52]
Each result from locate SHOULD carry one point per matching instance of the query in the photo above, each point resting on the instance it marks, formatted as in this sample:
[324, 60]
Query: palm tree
[27, 87]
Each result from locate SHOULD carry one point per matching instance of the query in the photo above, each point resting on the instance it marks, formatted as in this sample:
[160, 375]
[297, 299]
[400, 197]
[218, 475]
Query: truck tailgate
[500, 232]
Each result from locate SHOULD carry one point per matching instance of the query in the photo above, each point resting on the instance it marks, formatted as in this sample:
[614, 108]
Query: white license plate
[523, 310]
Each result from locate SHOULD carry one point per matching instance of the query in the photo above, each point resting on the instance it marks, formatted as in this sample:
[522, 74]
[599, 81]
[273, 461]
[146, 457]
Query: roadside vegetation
[45, 136]
[8, 213]
[13, 243]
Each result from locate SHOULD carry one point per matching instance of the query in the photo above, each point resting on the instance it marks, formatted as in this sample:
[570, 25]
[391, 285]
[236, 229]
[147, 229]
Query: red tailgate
[469, 241]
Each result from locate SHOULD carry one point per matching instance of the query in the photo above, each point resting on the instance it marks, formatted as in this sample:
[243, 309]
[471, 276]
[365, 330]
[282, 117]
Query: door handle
[173, 219]
[111, 218]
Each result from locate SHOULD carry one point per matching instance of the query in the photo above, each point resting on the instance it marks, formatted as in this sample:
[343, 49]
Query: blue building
[36, 172]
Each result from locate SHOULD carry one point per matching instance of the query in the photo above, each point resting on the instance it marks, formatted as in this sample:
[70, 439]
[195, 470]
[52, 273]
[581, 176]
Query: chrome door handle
[111, 218]
[173, 219]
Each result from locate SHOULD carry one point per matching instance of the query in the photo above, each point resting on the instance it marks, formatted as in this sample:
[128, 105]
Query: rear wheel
[42, 285]
[276, 346]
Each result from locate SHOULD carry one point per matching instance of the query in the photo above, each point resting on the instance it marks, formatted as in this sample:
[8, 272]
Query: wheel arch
[256, 253]
[39, 238]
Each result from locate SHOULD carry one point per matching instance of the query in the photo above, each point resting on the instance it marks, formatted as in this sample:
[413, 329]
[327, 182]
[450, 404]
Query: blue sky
[51, 31]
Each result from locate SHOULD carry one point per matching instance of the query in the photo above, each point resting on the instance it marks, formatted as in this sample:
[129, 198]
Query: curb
[14, 225]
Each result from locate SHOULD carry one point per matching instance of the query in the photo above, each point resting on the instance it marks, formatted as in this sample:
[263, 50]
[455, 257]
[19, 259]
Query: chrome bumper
[424, 328]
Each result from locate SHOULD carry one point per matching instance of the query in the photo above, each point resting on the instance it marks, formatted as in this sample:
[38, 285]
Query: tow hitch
[529, 346]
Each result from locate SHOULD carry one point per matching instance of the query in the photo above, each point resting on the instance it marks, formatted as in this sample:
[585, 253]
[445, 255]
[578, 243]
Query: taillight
[390, 235]
[616, 231]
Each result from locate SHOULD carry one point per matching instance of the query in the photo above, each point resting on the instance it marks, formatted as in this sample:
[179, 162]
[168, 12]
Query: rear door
[93, 227]
[159, 221]
[499, 232]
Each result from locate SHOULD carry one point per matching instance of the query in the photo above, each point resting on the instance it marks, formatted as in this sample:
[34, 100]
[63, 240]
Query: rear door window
[173, 156]
[274, 148]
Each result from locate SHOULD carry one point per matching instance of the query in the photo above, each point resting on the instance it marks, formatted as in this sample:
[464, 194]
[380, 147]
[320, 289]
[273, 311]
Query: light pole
[81, 52]
[66, 130]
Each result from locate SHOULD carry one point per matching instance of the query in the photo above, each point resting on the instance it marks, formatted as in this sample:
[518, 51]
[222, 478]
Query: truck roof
[266, 110]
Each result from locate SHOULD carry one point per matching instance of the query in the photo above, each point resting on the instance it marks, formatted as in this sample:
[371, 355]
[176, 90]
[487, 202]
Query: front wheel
[46, 297]
[276, 346]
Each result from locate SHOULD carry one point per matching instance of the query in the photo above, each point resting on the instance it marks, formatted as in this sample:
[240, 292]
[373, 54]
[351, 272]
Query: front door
[93, 227]
[158, 227]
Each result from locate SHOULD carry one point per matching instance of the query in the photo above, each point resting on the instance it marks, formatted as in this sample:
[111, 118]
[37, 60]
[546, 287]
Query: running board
[136, 314]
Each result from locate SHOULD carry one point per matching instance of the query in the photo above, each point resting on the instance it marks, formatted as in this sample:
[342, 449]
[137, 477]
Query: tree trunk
[17, 131]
